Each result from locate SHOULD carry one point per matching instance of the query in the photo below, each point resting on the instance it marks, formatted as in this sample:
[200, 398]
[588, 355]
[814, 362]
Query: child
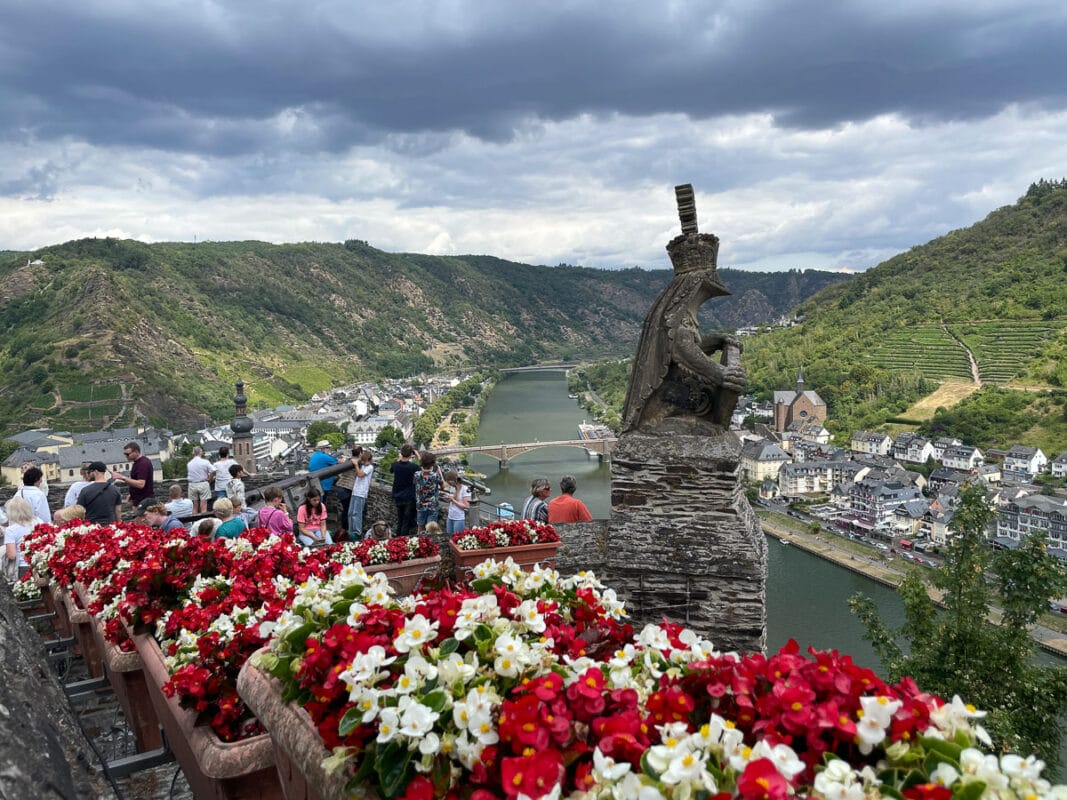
[432, 529]
[428, 483]
[459, 500]
[364, 471]
[379, 530]
[311, 520]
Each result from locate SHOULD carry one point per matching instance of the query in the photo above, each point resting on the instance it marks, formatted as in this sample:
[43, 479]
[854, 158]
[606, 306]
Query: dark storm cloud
[212, 79]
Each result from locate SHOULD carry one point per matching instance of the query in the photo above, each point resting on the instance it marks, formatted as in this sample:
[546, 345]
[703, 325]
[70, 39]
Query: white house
[1023, 462]
[1058, 467]
[940, 445]
[962, 457]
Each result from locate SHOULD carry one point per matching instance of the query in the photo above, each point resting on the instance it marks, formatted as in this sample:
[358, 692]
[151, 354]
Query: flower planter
[525, 555]
[60, 622]
[405, 576]
[82, 624]
[298, 749]
[125, 673]
[215, 770]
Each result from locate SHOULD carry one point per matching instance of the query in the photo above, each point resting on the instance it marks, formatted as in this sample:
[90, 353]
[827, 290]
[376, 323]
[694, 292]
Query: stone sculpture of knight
[681, 377]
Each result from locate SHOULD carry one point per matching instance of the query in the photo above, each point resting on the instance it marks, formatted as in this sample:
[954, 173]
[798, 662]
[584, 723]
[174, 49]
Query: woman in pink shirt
[274, 516]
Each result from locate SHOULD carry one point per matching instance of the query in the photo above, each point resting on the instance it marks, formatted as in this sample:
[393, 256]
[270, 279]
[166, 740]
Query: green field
[88, 392]
[94, 413]
[1003, 349]
[927, 349]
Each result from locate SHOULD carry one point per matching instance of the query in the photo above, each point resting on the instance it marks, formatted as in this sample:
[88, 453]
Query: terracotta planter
[405, 576]
[298, 749]
[125, 673]
[216, 770]
[525, 555]
[82, 624]
[60, 622]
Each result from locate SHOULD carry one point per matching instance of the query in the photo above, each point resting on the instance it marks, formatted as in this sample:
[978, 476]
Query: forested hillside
[99, 331]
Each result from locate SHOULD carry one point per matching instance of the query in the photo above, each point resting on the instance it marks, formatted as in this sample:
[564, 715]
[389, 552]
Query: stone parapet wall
[683, 542]
[45, 754]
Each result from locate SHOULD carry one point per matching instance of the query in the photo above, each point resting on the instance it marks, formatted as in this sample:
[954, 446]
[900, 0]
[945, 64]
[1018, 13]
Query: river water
[807, 597]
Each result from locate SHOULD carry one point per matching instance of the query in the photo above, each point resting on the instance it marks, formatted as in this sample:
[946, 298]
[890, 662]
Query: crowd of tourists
[420, 486]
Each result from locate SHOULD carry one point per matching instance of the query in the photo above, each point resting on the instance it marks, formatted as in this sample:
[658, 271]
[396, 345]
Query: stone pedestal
[683, 542]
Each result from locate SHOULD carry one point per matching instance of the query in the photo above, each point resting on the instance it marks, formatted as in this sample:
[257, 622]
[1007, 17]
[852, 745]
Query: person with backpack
[100, 499]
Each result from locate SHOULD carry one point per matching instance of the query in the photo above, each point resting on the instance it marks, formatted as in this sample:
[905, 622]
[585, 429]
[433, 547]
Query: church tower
[242, 431]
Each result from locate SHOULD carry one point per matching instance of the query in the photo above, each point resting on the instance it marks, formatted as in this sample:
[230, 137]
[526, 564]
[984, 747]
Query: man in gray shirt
[100, 499]
[199, 471]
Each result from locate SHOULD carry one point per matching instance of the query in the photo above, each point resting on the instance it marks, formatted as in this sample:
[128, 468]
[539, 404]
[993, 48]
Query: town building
[1058, 465]
[1023, 463]
[798, 406]
[1022, 516]
[867, 442]
[762, 460]
[962, 457]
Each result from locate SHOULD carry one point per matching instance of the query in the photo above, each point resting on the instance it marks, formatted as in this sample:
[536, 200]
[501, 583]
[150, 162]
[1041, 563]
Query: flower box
[125, 673]
[405, 576]
[298, 749]
[82, 625]
[525, 555]
[215, 770]
[60, 622]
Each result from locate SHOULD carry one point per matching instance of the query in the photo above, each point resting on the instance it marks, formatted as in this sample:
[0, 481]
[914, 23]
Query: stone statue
[675, 373]
[683, 542]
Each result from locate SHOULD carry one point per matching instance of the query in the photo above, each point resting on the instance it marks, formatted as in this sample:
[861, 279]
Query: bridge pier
[503, 463]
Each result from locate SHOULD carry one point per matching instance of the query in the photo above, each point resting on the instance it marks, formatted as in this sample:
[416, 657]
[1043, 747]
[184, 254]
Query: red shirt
[567, 508]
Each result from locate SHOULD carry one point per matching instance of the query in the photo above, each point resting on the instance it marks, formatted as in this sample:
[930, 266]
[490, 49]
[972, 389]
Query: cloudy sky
[830, 134]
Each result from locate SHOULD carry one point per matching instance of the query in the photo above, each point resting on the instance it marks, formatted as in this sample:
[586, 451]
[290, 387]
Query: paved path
[885, 573]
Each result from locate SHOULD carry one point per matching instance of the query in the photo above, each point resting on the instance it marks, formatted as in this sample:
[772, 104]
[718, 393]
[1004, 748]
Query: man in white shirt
[199, 472]
[31, 492]
[222, 472]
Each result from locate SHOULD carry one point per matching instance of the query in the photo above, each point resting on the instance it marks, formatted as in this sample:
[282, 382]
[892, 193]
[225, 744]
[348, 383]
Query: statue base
[683, 543]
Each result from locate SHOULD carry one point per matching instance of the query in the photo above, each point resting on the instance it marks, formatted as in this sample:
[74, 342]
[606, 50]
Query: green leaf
[485, 585]
[352, 592]
[436, 700]
[448, 647]
[297, 638]
[646, 767]
[970, 791]
[395, 768]
[441, 774]
[351, 720]
[483, 633]
[948, 750]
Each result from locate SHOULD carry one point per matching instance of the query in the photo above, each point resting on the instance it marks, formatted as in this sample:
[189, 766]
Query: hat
[322, 443]
[97, 466]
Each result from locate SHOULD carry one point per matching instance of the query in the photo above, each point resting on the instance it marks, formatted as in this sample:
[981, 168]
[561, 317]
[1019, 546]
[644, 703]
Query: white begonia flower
[351, 575]
[1028, 769]
[959, 716]
[418, 632]
[507, 666]
[944, 775]
[388, 725]
[468, 750]
[606, 770]
[875, 716]
[365, 667]
[530, 618]
[839, 782]
[631, 787]
[653, 636]
[976, 765]
[367, 701]
[660, 756]
[430, 744]
[417, 720]
[453, 669]
[782, 755]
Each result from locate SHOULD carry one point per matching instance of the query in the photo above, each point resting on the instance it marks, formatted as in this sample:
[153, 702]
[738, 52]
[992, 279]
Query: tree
[957, 651]
[444, 436]
[318, 431]
[388, 437]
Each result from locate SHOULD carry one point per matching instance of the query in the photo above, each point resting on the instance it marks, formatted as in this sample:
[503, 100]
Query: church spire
[800, 380]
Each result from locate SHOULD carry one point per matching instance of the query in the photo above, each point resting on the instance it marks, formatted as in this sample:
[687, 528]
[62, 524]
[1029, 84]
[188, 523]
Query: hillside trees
[956, 651]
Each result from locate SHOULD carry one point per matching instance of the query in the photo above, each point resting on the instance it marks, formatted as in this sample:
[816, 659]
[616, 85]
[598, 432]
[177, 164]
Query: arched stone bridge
[503, 453]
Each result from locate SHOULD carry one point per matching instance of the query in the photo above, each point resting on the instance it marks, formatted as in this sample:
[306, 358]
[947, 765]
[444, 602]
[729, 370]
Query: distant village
[873, 488]
[279, 435]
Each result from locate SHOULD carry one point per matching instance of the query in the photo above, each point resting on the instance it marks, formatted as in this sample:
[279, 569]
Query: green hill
[106, 330]
[873, 344]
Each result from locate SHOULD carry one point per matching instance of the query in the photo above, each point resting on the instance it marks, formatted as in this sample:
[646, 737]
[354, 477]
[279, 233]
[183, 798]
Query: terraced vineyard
[1002, 349]
[927, 349]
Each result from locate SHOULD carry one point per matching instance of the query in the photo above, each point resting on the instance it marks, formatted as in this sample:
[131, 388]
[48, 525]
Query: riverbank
[884, 573]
